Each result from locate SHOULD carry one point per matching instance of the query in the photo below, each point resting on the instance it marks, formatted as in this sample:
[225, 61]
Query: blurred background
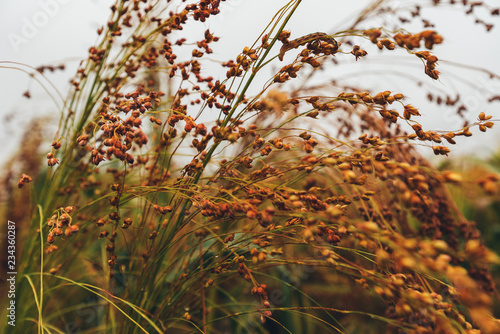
[54, 32]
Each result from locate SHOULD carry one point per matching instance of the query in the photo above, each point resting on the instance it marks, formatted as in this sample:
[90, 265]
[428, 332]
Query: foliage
[178, 200]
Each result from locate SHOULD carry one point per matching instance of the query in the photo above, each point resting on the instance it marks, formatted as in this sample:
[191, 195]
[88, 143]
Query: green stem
[40, 317]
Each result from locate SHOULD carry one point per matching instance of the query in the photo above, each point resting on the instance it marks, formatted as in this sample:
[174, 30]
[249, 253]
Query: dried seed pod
[23, 180]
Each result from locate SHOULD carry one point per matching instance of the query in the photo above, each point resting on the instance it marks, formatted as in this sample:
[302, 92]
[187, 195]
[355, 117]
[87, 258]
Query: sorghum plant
[250, 200]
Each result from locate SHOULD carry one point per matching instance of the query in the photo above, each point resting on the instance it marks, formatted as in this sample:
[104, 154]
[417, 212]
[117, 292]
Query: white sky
[66, 29]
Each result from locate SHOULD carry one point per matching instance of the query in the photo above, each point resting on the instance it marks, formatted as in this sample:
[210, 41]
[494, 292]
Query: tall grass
[179, 200]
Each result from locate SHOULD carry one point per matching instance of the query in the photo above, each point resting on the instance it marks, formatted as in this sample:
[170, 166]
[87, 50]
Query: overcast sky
[37, 32]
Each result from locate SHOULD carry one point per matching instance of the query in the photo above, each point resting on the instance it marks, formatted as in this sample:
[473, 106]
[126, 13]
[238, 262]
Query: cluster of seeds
[59, 220]
[408, 41]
